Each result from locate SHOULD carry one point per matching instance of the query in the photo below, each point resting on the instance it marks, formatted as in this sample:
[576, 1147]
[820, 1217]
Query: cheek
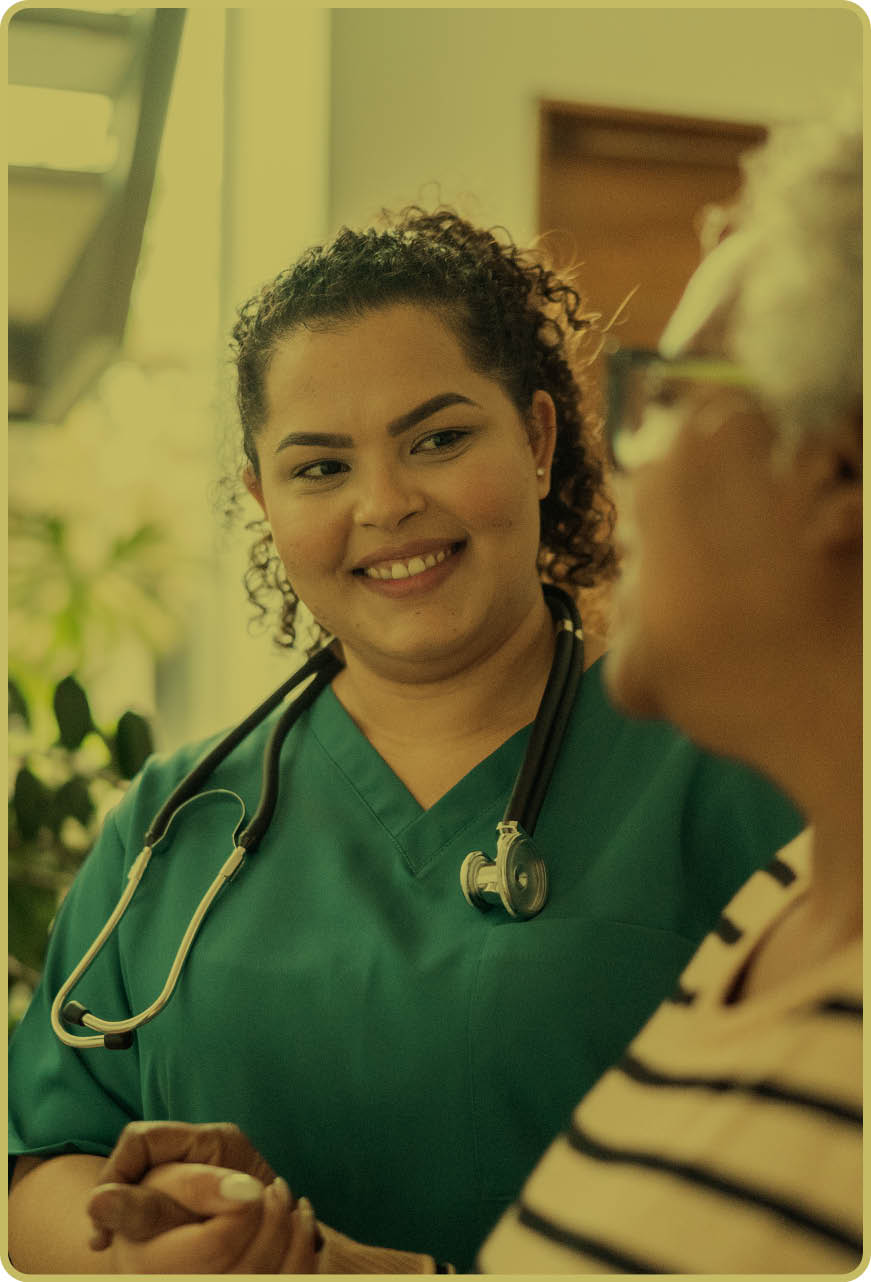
[663, 574]
[501, 500]
[306, 541]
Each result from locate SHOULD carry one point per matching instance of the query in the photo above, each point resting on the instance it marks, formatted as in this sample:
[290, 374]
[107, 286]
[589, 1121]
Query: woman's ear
[253, 486]
[542, 437]
[836, 523]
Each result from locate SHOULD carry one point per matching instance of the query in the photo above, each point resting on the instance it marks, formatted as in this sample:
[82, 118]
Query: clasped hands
[174, 1197]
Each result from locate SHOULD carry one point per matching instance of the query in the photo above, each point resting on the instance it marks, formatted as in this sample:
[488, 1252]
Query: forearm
[341, 1254]
[49, 1228]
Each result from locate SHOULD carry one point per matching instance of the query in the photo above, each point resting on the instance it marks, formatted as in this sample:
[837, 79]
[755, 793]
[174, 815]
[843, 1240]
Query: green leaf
[129, 546]
[18, 704]
[31, 802]
[31, 909]
[73, 798]
[73, 712]
[133, 743]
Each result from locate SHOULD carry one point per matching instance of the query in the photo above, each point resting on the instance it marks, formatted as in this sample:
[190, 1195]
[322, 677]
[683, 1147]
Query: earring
[539, 471]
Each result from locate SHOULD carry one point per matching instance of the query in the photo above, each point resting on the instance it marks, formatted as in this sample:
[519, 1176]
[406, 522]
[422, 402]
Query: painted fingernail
[239, 1187]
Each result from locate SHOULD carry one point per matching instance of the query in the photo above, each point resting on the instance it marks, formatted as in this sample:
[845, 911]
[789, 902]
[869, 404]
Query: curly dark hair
[517, 320]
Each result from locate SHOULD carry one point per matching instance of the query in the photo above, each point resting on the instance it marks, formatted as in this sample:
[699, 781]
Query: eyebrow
[396, 426]
[424, 410]
[328, 440]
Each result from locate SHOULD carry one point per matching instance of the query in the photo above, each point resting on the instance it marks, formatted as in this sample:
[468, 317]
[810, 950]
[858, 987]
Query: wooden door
[623, 191]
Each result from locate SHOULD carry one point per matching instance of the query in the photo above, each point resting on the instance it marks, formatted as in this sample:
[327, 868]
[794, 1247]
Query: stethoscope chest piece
[516, 878]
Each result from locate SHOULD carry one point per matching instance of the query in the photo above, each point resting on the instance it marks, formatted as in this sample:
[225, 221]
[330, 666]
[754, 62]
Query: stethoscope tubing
[530, 788]
[118, 1028]
[521, 812]
[326, 670]
[323, 661]
[116, 1033]
[574, 646]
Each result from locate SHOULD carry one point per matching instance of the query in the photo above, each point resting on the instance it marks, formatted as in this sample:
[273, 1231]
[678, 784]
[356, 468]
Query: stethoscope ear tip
[118, 1041]
[74, 1013]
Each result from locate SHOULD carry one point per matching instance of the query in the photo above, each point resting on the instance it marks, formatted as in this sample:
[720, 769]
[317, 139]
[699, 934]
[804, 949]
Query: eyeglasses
[638, 379]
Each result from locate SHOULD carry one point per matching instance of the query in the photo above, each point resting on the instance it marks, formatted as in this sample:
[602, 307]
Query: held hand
[142, 1146]
[239, 1225]
[152, 1207]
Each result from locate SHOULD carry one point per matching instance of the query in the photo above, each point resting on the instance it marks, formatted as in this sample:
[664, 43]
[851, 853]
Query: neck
[835, 896]
[487, 697]
[818, 762]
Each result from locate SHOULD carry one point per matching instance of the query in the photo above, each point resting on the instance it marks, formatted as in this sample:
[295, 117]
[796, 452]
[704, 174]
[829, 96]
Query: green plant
[62, 785]
[103, 550]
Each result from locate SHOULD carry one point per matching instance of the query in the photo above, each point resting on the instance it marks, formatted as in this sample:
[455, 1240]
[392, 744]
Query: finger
[267, 1248]
[143, 1145]
[137, 1213]
[171, 1195]
[302, 1255]
[211, 1246]
[100, 1238]
[203, 1188]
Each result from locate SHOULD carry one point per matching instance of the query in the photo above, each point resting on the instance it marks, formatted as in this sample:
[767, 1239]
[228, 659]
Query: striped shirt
[727, 1139]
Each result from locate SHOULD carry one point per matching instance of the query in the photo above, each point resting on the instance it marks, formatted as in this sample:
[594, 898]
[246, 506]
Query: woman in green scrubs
[410, 410]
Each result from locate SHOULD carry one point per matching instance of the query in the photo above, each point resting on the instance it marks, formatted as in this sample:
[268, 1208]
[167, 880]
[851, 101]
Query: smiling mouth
[410, 567]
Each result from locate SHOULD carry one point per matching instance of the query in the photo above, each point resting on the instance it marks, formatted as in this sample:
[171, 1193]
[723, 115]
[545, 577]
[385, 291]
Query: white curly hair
[797, 323]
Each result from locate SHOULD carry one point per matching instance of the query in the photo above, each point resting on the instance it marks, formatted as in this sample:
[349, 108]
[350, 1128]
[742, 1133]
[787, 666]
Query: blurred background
[166, 162]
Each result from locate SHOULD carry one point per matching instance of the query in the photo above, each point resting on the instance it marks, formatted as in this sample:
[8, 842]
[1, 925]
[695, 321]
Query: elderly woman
[727, 1138]
[411, 426]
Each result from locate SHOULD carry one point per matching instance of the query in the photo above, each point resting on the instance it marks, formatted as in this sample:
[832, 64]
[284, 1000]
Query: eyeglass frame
[620, 363]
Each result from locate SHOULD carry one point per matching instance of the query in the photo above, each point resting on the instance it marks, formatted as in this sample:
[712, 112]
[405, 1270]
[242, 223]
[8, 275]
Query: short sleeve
[62, 1099]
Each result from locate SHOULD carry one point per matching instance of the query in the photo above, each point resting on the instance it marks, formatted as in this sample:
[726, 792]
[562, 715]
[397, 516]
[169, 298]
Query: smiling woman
[506, 316]
[412, 428]
[415, 471]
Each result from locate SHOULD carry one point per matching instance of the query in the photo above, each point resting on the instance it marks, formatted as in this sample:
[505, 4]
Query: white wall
[272, 135]
[449, 96]
[330, 114]
[276, 112]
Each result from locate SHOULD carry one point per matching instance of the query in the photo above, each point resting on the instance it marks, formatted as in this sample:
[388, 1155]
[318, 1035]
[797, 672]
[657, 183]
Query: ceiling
[88, 97]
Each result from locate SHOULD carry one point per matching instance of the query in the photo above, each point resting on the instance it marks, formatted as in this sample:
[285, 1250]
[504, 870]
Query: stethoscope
[517, 877]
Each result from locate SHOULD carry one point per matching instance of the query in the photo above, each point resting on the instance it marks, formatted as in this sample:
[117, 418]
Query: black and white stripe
[617, 1260]
[794, 1213]
[633, 1067]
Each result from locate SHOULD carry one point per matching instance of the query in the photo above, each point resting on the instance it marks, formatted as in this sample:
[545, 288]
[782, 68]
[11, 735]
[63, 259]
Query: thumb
[173, 1194]
[137, 1213]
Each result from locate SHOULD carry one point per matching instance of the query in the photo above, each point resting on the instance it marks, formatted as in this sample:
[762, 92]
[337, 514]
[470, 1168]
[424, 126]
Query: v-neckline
[420, 833]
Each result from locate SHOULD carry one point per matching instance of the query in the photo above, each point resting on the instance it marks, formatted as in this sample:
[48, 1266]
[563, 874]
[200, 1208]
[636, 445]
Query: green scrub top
[401, 1058]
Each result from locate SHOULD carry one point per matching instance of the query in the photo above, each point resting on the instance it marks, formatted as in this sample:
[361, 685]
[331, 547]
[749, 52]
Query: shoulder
[163, 772]
[719, 818]
[663, 751]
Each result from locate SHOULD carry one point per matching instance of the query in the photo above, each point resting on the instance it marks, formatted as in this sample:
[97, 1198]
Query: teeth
[407, 569]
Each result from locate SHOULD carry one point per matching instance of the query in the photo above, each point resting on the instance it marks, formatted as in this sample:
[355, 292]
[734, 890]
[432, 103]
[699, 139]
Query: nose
[387, 496]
